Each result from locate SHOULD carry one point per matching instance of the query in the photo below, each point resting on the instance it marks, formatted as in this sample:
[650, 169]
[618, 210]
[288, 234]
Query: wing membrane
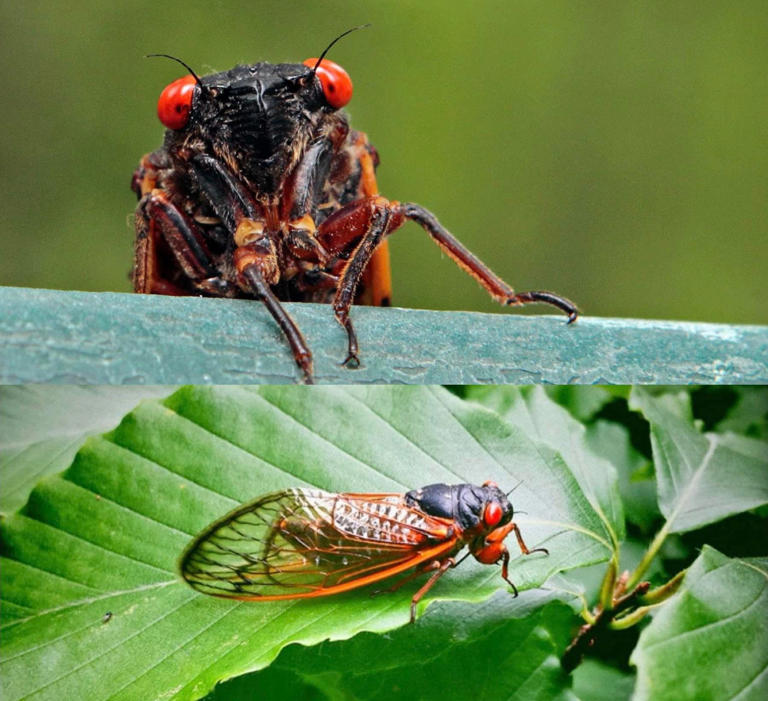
[303, 542]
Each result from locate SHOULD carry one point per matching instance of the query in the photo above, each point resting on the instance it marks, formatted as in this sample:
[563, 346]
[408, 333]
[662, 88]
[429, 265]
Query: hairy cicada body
[262, 190]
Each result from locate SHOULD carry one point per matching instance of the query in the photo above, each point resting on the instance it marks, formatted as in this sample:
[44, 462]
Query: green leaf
[583, 401]
[749, 416]
[711, 640]
[638, 490]
[105, 536]
[510, 643]
[42, 426]
[702, 477]
[539, 416]
[595, 681]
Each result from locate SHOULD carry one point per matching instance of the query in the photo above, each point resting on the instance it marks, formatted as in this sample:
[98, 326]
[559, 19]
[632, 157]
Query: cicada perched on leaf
[302, 543]
[262, 190]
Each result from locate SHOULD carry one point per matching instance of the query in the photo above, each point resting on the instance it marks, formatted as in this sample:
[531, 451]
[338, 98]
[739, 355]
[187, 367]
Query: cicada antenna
[178, 60]
[341, 36]
[514, 488]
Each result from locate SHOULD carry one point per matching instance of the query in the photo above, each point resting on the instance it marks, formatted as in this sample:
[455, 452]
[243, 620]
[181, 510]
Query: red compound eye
[337, 85]
[493, 514]
[176, 101]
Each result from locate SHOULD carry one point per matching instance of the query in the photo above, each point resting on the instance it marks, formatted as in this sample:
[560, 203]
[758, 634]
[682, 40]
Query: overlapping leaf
[543, 419]
[91, 603]
[635, 473]
[501, 648]
[719, 617]
[42, 426]
[702, 477]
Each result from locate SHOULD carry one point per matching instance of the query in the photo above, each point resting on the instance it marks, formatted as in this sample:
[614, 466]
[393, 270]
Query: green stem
[609, 584]
[652, 551]
[662, 593]
[630, 619]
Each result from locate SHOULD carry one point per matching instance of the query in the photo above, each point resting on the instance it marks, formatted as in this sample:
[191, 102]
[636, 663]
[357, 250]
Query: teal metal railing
[50, 336]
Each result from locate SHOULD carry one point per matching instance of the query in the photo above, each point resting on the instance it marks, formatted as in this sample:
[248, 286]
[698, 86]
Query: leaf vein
[709, 625]
[90, 600]
[160, 660]
[107, 650]
[325, 440]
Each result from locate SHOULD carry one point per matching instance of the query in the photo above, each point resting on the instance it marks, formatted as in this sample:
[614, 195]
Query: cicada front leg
[365, 223]
[361, 225]
[255, 262]
[492, 550]
[159, 222]
[255, 258]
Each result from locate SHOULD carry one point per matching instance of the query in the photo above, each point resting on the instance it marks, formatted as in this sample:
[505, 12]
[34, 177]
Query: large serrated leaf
[749, 416]
[104, 537]
[719, 616]
[701, 477]
[638, 490]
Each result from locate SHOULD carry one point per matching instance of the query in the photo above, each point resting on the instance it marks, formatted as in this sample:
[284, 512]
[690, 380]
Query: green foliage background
[613, 152]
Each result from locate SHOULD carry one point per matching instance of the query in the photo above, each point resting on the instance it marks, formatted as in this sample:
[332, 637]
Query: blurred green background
[614, 152]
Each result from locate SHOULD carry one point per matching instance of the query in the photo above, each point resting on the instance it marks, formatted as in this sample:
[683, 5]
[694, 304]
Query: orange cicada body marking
[303, 543]
[262, 190]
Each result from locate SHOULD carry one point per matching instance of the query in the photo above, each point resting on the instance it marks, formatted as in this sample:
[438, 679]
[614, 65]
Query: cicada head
[497, 510]
[493, 513]
[258, 119]
[482, 509]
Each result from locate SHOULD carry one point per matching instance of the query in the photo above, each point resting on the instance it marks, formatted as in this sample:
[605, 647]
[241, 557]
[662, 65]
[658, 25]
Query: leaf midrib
[696, 474]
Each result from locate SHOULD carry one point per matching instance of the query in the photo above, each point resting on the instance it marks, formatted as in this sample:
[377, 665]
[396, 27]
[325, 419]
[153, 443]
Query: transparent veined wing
[305, 542]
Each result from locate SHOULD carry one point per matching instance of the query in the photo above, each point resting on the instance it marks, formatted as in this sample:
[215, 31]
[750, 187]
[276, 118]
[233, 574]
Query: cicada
[262, 190]
[303, 543]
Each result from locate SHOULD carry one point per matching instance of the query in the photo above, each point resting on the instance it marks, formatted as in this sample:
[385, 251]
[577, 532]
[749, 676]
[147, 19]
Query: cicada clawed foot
[543, 297]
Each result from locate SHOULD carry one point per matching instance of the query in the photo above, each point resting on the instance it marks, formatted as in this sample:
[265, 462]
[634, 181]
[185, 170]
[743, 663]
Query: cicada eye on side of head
[492, 514]
[304, 543]
[175, 102]
[337, 85]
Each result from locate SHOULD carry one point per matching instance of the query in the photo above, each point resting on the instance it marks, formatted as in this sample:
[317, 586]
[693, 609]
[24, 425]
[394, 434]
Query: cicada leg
[440, 569]
[464, 258]
[491, 550]
[301, 353]
[157, 217]
[418, 572]
[436, 566]
[255, 259]
[523, 548]
[365, 222]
